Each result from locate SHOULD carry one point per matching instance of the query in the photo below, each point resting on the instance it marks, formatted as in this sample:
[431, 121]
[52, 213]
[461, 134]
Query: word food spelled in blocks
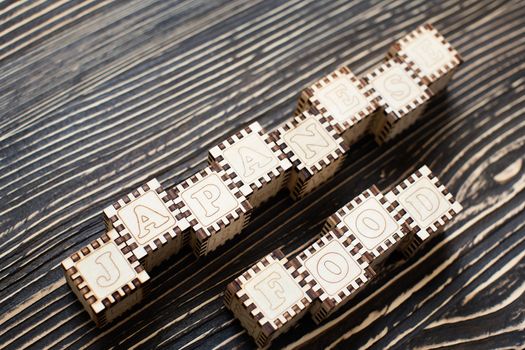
[106, 277]
[435, 60]
[255, 160]
[315, 150]
[150, 223]
[347, 102]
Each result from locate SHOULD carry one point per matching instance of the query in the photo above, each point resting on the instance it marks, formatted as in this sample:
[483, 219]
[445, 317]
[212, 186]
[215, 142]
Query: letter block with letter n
[402, 97]
[434, 59]
[315, 149]
[269, 297]
[429, 204]
[150, 223]
[348, 103]
[106, 277]
[255, 160]
[215, 205]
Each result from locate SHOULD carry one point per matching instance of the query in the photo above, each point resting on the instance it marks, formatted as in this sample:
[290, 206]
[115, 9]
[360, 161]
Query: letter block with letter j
[255, 160]
[106, 277]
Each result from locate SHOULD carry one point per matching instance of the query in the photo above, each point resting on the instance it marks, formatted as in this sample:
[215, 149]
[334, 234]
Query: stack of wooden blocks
[150, 224]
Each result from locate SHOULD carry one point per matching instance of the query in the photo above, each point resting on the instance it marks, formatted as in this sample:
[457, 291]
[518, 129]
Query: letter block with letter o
[434, 59]
[338, 269]
[269, 297]
[255, 160]
[402, 97]
[106, 277]
[215, 205]
[150, 223]
[429, 204]
[347, 102]
[315, 149]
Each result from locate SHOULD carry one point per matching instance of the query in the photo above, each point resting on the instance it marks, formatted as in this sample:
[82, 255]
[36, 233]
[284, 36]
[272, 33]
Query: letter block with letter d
[106, 277]
[255, 160]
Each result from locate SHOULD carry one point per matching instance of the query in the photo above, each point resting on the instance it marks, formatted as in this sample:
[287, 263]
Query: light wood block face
[256, 160]
[315, 150]
[106, 277]
[149, 222]
[215, 207]
[347, 102]
[434, 59]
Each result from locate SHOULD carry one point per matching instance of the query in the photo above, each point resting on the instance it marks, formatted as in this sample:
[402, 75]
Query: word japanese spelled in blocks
[435, 60]
[106, 277]
[314, 148]
[150, 223]
[269, 297]
[347, 102]
[255, 160]
[428, 202]
[215, 207]
[402, 96]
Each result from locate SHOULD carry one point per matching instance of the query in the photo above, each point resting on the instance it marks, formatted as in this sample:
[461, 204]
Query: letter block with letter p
[106, 277]
[150, 223]
[255, 160]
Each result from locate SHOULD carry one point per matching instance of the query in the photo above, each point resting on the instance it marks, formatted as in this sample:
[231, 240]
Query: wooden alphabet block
[150, 223]
[347, 102]
[337, 270]
[106, 277]
[314, 148]
[215, 207]
[255, 159]
[428, 202]
[433, 58]
[269, 297]
[402, 96]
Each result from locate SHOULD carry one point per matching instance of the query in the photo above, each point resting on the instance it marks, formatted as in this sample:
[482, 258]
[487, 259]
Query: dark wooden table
[96, 97]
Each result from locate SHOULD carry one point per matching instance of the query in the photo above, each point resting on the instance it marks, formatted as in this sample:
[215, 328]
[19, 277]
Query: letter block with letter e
[215, 206]
[347, 102]
[255, 160]
[429, 204]
[106, 277]
[150, 223]
[269, 297]
[402, 97]
[433, 58]
[378, 225]
[315, 149]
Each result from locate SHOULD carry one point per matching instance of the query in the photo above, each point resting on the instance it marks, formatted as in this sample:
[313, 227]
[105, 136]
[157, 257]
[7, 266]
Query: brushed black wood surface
[96, 97]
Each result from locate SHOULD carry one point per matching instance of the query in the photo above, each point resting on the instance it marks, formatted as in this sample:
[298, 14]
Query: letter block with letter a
[338, 269]
[215, 205]
[150, 223]
[315, 149]
[255, 159]
[379, 225]
[433, 58]
[402, 97]
[106, 277]
[348, 103]
[269, 297]
[428, 202]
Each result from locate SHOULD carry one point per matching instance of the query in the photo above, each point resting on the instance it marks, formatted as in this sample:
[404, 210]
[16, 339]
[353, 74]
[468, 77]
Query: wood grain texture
[96, 97]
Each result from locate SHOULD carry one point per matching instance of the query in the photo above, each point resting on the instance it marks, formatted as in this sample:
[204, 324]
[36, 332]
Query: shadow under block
[337, 269]
[428, 202]
[433, 58]
[106, 277]
[269, 297]
[215, 207]
[314, 148]
[347, 102]
[255, 160]
[149, 222]
[402, 97]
